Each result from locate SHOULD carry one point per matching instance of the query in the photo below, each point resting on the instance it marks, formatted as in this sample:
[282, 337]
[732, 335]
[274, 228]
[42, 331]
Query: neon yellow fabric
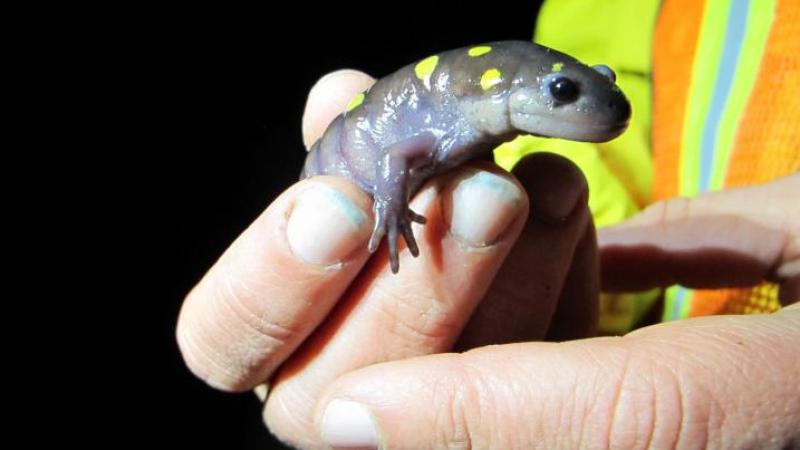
[617, 33]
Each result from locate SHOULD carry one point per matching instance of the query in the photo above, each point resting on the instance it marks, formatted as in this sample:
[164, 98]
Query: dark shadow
[711, 253]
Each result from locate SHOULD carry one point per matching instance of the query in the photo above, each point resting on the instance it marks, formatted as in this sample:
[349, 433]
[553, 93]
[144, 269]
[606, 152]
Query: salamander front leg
[392, 214]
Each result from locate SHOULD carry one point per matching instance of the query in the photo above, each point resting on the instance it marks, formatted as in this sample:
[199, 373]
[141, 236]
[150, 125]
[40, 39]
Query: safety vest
[715, 90]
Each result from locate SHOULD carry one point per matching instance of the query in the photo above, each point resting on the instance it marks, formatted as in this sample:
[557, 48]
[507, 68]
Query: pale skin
[320, 321]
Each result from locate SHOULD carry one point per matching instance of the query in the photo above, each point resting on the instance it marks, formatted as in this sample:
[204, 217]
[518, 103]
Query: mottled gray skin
[409, 128]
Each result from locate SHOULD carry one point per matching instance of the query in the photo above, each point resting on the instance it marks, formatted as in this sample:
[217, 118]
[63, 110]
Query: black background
[229, 89]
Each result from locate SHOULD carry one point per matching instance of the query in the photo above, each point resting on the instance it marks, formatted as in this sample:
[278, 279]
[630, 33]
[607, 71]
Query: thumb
[714, 382]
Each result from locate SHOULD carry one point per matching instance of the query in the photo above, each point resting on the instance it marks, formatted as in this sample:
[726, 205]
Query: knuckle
[476, 409]
[458, 425]
[226, 336]
[419, 324]
[670, 210]
[249, 310]
[655, 406]
[202, 359]
[630, 422]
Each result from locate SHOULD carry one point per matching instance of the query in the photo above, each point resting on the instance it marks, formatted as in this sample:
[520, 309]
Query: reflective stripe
[732, 45]
[677, 303]
[701, 88]
[675, 47]
[760, 18]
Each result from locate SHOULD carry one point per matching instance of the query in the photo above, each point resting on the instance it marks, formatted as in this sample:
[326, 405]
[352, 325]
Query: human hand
[252, 311]
[714, 382]
[298, 301]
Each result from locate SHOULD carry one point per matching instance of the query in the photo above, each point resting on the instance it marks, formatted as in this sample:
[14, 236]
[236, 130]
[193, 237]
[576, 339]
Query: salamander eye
[564, 90]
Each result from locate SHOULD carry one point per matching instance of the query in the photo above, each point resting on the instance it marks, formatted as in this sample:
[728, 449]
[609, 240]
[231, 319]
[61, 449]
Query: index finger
[281, 277]
[733, 238]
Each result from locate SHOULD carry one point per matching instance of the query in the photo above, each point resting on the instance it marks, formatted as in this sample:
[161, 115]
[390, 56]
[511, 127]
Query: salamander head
[570, 101]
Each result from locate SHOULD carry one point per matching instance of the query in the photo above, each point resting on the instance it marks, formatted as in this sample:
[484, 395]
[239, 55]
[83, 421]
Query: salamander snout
[620, 109]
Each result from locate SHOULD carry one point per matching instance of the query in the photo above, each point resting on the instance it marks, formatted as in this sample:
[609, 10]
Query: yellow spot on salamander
[478, 51]
[557, 67]
[425, 68]
[357, 100]
[490, 78]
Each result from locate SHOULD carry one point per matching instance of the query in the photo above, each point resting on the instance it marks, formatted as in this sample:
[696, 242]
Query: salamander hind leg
[392, 214]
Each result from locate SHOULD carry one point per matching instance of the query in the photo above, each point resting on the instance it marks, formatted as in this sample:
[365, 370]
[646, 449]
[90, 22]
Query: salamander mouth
[619, 127]
[562, 127]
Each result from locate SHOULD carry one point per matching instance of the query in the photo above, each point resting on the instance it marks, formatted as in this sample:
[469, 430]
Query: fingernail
[483, 206]
[325, 226]
[347, 424]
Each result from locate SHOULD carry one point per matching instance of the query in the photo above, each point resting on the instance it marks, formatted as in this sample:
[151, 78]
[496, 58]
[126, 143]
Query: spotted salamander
[437, 113]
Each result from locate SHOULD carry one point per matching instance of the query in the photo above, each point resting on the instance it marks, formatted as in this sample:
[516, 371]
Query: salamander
[436, 113]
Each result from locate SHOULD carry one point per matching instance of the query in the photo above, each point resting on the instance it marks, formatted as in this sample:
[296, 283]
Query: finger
[328, 98]
[275, 283]
[578, 307]
[790, 291]
[269, 290]
[474, 214]
[731, 238]
[715, 382]
[525, 294]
